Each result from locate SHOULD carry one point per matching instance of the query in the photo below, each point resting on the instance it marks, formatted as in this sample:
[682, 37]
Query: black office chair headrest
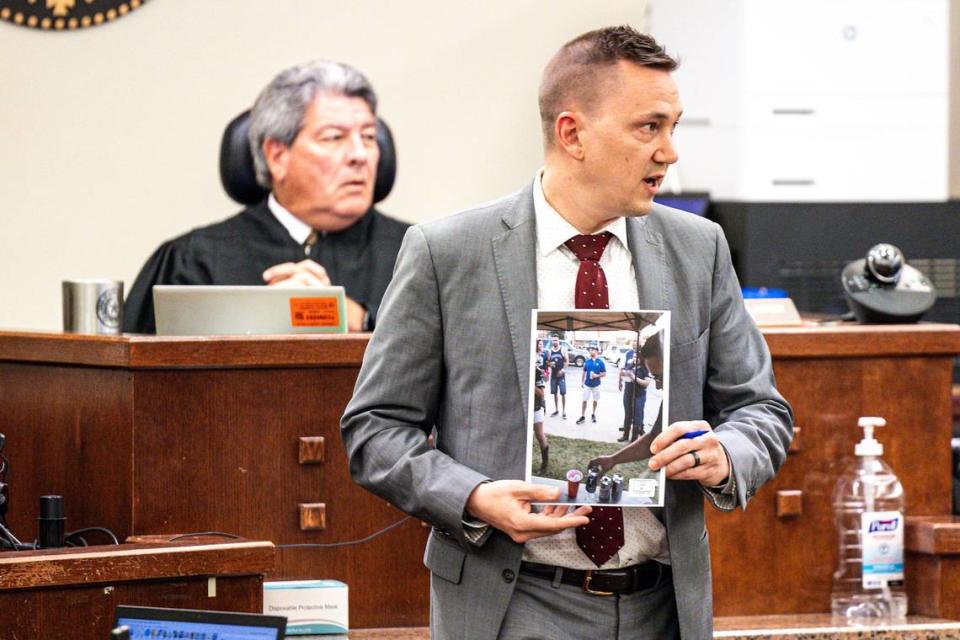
[239, 177]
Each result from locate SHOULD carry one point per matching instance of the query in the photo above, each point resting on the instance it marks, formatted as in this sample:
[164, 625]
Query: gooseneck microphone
[50, 522]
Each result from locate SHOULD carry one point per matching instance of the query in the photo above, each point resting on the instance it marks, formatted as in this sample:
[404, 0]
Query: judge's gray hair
[278, 112]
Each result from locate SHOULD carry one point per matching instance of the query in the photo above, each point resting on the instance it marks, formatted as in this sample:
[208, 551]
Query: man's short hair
[652, 348]
[278, 112]
[572, 73]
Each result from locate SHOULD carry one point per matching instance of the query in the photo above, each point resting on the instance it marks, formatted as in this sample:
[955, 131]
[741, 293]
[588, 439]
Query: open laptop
[201, 310]
[154, 622]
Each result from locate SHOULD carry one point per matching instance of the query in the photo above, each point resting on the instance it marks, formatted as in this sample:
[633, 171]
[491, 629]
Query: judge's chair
[239, 178]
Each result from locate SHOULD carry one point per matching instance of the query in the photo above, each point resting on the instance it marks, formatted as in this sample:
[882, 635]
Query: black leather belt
[607, 582]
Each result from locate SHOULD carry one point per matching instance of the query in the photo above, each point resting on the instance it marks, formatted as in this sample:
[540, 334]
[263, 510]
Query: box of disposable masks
[312, 607]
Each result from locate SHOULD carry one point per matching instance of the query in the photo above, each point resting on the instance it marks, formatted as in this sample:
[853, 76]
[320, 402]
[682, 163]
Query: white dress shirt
[645, 537]
[297, 228]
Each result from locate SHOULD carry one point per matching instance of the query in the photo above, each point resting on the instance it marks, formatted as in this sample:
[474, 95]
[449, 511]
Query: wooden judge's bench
[148, 435]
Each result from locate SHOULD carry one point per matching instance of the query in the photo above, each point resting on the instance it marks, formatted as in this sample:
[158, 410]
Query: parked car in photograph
[575, 355]
[615, 354]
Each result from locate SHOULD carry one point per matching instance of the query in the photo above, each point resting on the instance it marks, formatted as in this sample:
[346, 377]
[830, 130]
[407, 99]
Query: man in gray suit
[461, 298]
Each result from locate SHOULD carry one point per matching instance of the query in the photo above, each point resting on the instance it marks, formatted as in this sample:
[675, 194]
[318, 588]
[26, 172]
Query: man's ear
[277, 155]
[566, 132]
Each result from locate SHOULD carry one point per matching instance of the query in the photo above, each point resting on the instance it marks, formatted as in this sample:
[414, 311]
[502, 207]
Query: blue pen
[692, 434]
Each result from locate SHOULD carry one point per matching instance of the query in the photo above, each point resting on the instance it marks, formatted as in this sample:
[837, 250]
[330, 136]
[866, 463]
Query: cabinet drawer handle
[795, 442]
[793, 182]
[793, 112]
[313, 516]
[789, 503]
[312, 449]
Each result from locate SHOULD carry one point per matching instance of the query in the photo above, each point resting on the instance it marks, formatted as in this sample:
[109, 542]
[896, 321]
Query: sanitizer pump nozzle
[869, 446]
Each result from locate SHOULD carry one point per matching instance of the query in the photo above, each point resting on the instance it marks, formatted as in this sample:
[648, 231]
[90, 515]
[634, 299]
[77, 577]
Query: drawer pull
[793, 182]
[789, 503]
[793, 112]
[795, 443]
[311, 449]
[313, 516]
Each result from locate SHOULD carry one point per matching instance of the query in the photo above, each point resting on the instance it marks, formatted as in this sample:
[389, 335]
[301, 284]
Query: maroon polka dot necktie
[591, 292]
[603, 537]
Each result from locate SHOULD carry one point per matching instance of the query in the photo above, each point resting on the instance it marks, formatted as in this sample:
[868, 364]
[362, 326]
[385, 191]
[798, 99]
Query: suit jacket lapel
[514, 255]
[649, 262]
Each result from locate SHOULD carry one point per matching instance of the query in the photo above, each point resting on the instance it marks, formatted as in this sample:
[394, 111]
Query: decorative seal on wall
[62, 15]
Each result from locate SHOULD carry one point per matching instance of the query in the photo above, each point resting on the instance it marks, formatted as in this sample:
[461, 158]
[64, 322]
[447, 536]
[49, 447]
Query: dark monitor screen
[153, 622]
[693, 202]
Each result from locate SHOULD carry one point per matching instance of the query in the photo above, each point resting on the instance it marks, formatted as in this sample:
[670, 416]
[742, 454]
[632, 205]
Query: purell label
[882, 535]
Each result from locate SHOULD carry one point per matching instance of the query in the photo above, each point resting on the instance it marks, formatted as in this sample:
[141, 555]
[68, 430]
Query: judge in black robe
[238, 250]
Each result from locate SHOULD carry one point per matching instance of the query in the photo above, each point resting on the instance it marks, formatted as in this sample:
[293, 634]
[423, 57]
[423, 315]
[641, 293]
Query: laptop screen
[151, 622]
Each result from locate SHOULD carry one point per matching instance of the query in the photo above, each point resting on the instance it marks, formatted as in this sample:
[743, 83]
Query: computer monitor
[159, 623]
[697, 203]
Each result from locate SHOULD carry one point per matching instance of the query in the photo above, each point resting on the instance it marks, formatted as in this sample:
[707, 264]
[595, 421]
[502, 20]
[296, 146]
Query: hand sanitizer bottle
[868, 505]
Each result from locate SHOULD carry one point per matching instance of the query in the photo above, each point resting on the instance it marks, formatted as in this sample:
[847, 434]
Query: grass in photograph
[574, 453]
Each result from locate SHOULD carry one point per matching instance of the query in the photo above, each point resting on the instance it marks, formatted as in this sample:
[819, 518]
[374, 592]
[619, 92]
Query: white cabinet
[810, 100]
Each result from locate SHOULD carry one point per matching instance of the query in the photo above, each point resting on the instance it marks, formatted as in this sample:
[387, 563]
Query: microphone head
[51, 508]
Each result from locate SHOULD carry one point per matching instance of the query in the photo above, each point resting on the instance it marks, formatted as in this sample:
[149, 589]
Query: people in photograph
[543, 358]
[500, 568]
[593, 373]
[632, 382]
[558, 376]
[539, 409]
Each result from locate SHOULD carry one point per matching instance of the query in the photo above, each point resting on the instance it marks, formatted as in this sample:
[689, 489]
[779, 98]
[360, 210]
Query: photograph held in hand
[601, 454]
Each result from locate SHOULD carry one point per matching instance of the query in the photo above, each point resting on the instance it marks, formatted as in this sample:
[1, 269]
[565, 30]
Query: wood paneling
[146, 352]
[173, 435]
[73, 593]
[939, 535]
[69, 432]
[830, 383]
[162, 435]
[933, 565]
[852, 340]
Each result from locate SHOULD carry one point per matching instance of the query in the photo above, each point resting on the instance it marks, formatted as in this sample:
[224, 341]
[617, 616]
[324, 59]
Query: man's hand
[305, 273]
[308, 273]
[673, 453]
[604, 463]
[507, 505]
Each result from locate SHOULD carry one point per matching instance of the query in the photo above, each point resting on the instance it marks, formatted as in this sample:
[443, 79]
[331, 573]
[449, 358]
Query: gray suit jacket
[451, 350]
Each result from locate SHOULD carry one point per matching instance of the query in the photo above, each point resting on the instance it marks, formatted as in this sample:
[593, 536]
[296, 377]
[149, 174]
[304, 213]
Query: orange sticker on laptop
[314, 312]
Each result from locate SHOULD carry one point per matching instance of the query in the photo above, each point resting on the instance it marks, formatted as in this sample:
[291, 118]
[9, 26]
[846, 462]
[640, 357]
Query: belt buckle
[587, 577]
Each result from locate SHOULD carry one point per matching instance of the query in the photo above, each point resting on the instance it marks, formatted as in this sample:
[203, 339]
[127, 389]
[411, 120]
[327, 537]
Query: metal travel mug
[93, 306]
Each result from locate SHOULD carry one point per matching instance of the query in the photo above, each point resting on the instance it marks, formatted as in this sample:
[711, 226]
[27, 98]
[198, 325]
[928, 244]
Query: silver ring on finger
[696, 458]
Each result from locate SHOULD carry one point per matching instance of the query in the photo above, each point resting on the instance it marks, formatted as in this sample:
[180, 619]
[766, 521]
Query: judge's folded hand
[507, 505]
[308, 273]
[305, 273]
[674, 453]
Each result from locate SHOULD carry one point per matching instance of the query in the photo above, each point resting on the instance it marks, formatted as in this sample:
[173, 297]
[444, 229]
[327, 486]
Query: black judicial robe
[238, 250]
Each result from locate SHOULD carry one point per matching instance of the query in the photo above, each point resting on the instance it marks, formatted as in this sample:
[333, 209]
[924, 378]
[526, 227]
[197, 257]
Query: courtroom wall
[109, 136]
